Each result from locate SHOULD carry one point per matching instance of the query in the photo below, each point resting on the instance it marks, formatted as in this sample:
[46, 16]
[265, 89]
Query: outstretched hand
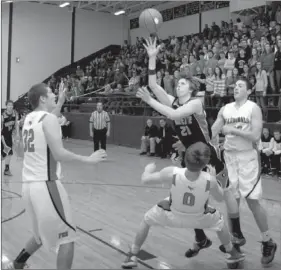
[151, 47]
[144, 94]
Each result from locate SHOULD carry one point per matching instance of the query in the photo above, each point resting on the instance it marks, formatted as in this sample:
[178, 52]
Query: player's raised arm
[150, 176]
[61, 100]
[160, 93]
[218, 125]
[193, 107]
[53, 136]
[256, 127]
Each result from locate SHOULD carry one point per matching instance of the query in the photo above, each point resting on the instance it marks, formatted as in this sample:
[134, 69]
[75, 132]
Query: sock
[265, 236]
[22, 257]
[7, 167]
[235, 222]
[200, 235]
[135, 249]
[228, 247]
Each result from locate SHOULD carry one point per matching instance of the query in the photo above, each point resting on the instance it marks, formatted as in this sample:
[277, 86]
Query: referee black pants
[99, 139]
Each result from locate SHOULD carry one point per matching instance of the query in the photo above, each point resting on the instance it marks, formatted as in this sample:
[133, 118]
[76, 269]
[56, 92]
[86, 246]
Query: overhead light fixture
[64, 4]
[8, 1]
[119, 12]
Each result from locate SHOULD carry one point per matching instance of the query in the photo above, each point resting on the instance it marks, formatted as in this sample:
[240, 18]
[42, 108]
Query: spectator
[253, 62]
[168, 84]
[229, 64]
[148, 140]
[266, 150]
[260, 88]
[221, 61]
[219, 88]
[159, 79]
[200, 78]
[276, 157]
[209, 86]
[119, 78]
[240, 61]
[230, 84]
[91, 85]
[211, 62]
[65, 126]
[245, 73]
[99, 127]
[79, 72]
[134, 84]
[164, 139]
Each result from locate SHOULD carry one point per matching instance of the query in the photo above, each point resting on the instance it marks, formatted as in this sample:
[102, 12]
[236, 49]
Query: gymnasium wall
[4, 50]
[95, 30]
[42, 40]
[185, 25]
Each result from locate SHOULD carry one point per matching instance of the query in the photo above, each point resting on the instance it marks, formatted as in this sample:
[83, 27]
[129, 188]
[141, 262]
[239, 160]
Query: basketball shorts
[9, 142]
[157, 216]
[48, 206]
[244, 171]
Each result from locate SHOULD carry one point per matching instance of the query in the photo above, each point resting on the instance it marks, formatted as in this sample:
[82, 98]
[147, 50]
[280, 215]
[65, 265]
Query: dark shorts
[9, 142]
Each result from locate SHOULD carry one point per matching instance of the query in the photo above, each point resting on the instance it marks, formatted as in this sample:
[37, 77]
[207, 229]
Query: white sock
[265, 236]
[135, 249]
[228, 247]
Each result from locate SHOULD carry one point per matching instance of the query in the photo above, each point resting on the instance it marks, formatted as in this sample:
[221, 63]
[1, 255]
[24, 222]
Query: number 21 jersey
[38, 162]
[192, 129]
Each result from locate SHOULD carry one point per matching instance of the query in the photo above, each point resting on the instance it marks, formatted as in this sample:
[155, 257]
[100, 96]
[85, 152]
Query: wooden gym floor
[109, 202]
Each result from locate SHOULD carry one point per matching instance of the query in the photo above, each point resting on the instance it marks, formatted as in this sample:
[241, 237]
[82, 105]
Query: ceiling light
[64, 4]
[119, 12]
[8, 1]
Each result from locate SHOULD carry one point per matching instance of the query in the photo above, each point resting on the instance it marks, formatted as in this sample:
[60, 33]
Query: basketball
[151, 19]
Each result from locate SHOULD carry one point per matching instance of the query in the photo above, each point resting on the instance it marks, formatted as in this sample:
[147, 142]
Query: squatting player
[189, 195]
[191, 126]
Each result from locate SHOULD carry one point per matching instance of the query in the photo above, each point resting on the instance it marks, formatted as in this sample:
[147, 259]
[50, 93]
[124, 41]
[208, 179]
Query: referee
[99, 127]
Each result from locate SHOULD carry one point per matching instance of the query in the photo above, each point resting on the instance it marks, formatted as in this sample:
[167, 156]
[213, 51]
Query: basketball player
[9, 124]
[45, 197]
[241, 122]
[189, 195]
[191, 126]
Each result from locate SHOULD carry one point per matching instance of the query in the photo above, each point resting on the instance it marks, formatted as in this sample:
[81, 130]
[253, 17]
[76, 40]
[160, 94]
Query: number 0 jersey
[192, 129]
[189, 197]
[38, 162]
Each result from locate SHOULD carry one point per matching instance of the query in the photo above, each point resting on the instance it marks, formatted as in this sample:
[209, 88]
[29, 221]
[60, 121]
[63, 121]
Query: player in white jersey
[241, 122]
[187, 206]
[46, 200]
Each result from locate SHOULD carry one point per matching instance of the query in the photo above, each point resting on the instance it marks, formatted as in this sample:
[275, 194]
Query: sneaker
[238, 240]
[152, 154]
[142, 153]
[8, 173]
[234, 256]
[14, 265]
[197, 246]
[130, 261]
[268, 251]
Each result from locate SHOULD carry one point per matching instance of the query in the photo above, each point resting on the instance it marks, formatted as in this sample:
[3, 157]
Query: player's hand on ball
[150, 168]
[151, 47]
[144, 94]
[97, 156]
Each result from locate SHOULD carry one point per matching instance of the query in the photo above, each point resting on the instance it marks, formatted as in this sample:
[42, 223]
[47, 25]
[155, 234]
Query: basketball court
[109, 202]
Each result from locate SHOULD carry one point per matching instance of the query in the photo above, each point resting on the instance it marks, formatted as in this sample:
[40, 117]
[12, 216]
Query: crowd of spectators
[214, 59]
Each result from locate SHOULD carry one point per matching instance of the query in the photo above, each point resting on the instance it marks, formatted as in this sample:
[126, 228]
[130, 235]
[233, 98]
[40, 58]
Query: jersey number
[188, 199]
[185, 130]
[28, 140]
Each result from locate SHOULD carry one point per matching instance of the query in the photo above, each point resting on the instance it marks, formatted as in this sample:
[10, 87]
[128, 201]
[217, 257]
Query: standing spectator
[219, 88]
[200, 78]
[209, 86]
[164, 139]
[267, 62]
[229, 63]
[253, 62]
[211, 62]
[168, 84]
[148, 140]
[276, 148]
[260, 88]
[134, 83]
[230, 84]
[65, 126]
[240, 61]
[99, 127]
[221, 61]
[266, 150]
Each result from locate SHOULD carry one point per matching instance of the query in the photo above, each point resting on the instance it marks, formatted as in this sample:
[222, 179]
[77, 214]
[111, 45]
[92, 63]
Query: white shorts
[157, 216]
[244, 172]
[48, 205]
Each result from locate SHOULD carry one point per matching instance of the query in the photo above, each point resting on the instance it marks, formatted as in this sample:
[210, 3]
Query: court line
[13, 217]
[111, 246]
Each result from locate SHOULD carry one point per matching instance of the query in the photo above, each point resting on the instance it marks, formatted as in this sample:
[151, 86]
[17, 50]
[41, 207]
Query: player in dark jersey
[191, 125]
[9, 124]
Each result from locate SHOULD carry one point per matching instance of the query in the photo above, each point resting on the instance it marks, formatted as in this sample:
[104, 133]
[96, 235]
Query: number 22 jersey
[38, 162]
[193, 128]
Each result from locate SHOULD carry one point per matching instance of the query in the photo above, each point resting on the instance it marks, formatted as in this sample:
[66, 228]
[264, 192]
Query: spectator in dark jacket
[164, 139]
[148, 140]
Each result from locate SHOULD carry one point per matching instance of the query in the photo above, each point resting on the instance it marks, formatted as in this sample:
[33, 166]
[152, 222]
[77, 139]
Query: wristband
[152, 72]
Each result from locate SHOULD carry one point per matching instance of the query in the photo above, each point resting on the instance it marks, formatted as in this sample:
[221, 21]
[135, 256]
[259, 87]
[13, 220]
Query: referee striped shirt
[99, 119]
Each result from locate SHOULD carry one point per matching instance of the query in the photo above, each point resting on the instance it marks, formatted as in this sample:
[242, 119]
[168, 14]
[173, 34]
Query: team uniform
[241, 156]
[188, 205]
[46, 199]
[9, 122]
[193, 129]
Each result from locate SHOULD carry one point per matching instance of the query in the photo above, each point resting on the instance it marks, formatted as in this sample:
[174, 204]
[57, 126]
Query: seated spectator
[266, 150]
[107, 90]
[79, 72]
[119, 77]
[148, 140]
[276, 157]
[134, 84]
[65, 126]
[91, 85]
[164, 139]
